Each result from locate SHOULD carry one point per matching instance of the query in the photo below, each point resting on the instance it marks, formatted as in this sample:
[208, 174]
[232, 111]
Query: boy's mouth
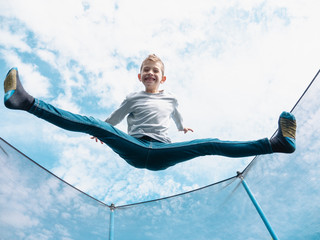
[151, 79]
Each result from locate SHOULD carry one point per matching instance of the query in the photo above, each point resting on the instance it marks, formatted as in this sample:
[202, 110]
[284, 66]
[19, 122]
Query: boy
[148, 112]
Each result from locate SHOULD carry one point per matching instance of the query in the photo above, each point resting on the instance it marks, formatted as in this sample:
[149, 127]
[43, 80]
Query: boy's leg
[129, 148]
[162, 156]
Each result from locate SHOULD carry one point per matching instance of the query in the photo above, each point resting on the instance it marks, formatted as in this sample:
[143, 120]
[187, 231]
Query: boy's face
[151, 76]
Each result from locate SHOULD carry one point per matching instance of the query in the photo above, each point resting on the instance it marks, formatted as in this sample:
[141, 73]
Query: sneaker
[285, 139]
[15, 96]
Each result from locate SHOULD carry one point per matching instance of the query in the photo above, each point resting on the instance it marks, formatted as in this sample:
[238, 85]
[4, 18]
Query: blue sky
[233, 65]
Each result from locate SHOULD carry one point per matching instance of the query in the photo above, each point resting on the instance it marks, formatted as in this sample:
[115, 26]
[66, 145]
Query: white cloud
[234, 67]
[13, 40]
[34, 83]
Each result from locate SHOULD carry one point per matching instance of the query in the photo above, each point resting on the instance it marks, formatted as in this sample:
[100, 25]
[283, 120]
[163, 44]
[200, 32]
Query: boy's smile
[151, 76]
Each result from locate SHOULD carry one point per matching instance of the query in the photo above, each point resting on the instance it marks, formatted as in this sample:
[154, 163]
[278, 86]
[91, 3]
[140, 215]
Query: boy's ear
[139, 76]
[164, 78]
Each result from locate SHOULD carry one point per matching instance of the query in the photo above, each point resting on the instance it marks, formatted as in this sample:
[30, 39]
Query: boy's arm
[119, 114]
[176, 116]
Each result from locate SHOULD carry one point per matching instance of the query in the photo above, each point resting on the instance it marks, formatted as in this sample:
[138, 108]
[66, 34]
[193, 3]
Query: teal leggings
[144, 152]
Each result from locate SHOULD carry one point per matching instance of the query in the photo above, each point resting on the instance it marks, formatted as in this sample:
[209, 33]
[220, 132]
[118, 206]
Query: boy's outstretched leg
[285, 139]
[15, 96]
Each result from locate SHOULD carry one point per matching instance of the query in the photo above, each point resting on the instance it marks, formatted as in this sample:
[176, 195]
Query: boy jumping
[148, 112]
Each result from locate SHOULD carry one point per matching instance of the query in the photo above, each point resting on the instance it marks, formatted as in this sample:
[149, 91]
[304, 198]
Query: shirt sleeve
[119, 114]
[176, 116]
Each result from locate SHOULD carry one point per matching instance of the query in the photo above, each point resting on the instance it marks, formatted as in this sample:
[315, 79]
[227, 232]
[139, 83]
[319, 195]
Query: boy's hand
[185, 130]
[95, 138]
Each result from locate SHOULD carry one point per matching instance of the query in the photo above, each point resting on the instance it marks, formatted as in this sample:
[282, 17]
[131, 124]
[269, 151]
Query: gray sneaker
[15, 96]
[285, 139]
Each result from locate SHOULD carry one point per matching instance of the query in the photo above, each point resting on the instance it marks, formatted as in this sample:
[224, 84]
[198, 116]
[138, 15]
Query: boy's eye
[147, 69]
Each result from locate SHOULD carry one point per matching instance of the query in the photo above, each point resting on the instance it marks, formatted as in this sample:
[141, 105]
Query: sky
[233, 65]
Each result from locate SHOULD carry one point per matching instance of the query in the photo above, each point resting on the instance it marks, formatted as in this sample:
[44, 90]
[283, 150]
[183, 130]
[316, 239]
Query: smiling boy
[148, 113]
[152, 75]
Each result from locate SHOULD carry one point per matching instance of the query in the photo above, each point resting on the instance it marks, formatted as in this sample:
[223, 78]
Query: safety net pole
[258, 208]
[111, 226]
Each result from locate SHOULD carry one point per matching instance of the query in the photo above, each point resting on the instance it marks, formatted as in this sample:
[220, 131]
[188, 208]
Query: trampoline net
[34, 204]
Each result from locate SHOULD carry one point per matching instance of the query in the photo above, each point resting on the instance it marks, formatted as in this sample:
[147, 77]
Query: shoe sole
[288, 133]
[10, 83]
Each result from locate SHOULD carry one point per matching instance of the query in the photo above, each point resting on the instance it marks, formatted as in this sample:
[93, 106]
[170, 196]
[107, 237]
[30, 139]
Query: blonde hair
[153, 58]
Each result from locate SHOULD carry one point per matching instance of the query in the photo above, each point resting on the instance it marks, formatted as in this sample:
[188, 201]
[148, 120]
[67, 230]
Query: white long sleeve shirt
[149, 114]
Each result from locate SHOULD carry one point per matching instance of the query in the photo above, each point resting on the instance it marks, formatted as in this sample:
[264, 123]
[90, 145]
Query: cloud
[13, 39]
[233, 66]
[35, 83]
